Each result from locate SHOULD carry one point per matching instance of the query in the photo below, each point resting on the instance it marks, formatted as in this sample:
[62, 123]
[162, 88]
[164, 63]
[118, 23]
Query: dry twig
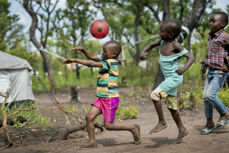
[4, 128]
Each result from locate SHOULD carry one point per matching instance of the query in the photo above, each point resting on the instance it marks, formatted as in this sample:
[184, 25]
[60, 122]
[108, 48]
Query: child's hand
[77, 48]
[224, 68]
[203, 67]
[180, 71]
[143, 55]
[203, 70]
[70, 60]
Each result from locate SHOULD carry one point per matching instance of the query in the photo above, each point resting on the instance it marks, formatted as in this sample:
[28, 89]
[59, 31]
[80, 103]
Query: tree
[10, 29]
[78, 15]
[45, 32]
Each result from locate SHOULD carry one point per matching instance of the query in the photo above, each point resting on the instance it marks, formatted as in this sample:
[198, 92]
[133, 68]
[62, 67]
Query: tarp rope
[53, 99]
[137, 42]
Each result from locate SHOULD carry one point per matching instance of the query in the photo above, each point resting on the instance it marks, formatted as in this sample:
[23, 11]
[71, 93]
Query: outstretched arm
[190, 60]
[143, 54]
[88, 63]
[87, 53]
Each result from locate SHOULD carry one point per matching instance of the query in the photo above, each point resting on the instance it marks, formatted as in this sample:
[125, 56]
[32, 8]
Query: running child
[171, 51]
[106, 91]
[217, 63]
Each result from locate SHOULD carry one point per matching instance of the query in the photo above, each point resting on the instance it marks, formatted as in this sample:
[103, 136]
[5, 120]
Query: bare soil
[44, 139]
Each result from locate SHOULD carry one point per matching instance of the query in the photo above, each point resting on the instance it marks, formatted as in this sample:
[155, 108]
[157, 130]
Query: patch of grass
[33, 116]
[185, 91]
[126, 112]
[224, 96]
[131, 94]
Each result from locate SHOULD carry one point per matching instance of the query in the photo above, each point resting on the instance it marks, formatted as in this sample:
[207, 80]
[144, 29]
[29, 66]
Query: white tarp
[15, 78]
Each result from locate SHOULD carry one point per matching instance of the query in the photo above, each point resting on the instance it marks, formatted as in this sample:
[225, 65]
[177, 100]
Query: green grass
[33, 116]
[223, 95]
[126, 112]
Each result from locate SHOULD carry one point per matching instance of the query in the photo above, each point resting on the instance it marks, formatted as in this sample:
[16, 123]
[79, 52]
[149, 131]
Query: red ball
[99, 29]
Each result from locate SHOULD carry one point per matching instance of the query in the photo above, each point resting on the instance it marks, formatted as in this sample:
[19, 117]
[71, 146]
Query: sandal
[222, 123]
[207, 130]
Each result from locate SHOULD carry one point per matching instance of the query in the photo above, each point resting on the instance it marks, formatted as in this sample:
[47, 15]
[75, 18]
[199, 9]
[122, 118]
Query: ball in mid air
[99, 29]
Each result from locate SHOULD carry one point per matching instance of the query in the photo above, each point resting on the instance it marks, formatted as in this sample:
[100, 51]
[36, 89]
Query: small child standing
[106, 91]
[171, 52]
[217, 63]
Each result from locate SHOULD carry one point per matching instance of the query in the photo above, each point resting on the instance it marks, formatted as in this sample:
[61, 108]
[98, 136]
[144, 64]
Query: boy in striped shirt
[106, 91]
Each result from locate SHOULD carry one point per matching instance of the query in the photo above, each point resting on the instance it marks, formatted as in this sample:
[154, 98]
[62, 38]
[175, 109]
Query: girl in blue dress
[171, 51]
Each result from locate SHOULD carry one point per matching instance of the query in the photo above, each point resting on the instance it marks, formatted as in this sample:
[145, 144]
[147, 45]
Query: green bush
[197, 91]
[224, 96]
[126, 112]
[33, 116]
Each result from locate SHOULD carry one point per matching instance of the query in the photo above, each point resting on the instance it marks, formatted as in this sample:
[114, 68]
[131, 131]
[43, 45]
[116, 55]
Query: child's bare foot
[160, 126]
[180, 136]
[137, 134]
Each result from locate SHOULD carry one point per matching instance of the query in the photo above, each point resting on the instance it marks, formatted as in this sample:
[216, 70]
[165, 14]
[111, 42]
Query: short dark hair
[174, 26]
[116, 47]
[224, 17]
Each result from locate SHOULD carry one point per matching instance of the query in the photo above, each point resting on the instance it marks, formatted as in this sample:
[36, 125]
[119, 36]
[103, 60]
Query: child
[216, 57]
[107, 93]
[170, 53]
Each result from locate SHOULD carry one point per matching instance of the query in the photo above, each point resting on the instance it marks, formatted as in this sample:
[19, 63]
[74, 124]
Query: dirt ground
[36, 139]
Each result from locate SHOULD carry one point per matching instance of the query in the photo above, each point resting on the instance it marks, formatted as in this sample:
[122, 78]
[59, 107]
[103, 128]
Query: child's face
[163, 33]
[107, 53]
[216, 23]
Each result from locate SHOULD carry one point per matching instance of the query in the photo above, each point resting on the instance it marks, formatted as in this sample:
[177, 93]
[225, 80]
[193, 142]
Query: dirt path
[121, 142]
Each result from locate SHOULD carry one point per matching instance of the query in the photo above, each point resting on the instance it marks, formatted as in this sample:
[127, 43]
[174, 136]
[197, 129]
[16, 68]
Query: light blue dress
[169, 64]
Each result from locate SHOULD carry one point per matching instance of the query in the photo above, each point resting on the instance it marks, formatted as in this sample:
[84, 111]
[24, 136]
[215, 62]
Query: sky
[25, 19]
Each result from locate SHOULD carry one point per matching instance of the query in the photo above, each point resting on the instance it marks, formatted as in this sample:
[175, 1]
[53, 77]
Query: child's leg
[182, 130]
[91, 115]
[134, 129]
[156, 98]
[208, 108]
[172, 106]
[109, 108]
[161, 120]
[212, 86]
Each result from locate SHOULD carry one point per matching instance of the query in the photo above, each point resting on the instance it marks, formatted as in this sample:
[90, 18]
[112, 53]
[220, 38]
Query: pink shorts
[108, 106]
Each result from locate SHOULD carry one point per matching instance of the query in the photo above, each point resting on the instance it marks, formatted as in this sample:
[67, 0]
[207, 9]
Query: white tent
[15, 78]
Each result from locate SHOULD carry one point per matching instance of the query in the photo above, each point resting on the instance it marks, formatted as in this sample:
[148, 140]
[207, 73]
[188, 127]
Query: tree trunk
[166, 13]
[159, 77]
[136, 23]
[198, 9]
[39, 46]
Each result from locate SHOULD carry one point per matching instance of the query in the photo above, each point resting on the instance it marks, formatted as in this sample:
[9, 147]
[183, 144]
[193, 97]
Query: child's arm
[203, 67]
[190, 59]
[226, 47]
[88, 63]
[143, 54]
[87, 53]
[226, 42]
